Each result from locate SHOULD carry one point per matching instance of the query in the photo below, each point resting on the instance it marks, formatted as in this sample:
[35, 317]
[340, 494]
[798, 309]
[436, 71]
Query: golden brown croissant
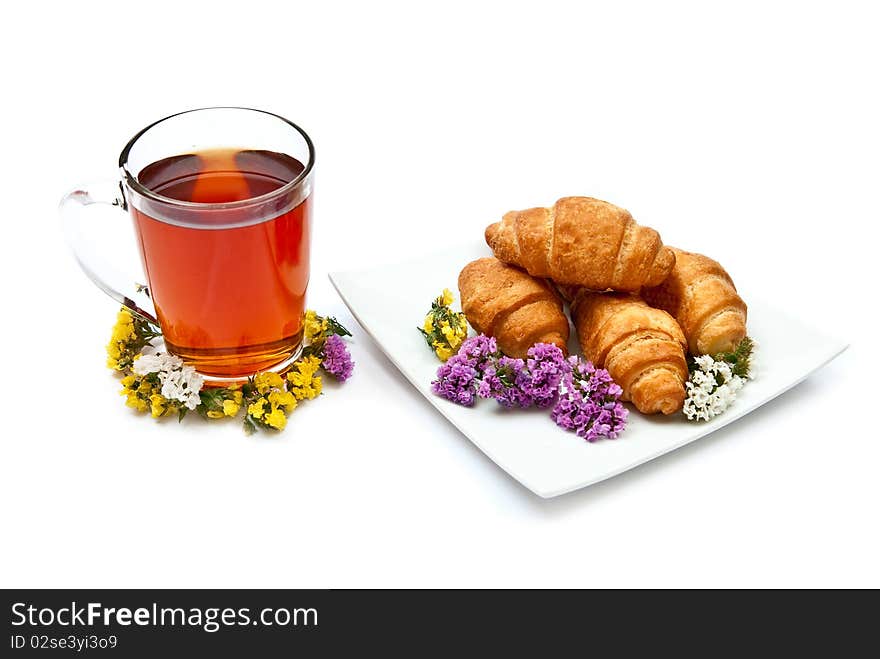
[701, 296]
[584, 242]
[507, 303]
[641, 347]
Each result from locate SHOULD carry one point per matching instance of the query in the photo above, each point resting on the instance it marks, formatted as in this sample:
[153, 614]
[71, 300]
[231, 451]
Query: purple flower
[490, 382]
[456, 381]
[546, 367]
[505, 379]
[478, 349]
[337, 362]
[590, 402]
[584, 398]
[524, 383]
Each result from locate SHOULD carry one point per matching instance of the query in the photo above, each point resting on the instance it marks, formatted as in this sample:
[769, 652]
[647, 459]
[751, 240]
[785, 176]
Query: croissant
[701, 296]
[642, 348]
[507, 303]
[584, 242]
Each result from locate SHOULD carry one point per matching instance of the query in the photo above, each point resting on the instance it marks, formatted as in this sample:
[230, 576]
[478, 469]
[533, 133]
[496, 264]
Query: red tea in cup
[228, 299]
[221, 202]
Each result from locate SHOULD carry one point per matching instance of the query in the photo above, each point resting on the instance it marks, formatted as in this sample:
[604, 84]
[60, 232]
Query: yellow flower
[216, 414]
[231, 407]
[444, 329]
[303, 383]
[266, 381]
[113, 356]
[302, 372]
[443, 352]
[276, 419]
[297, 378]
[283, 399]
[458, 334]
[236, 396]
[255, 409]
[137, 403]
[129, 386]
[313, 325]
[310, 364]
[114, 353]
[317, 384]
[307, 392]
[123, 332]
[157, 405]
[453, 335]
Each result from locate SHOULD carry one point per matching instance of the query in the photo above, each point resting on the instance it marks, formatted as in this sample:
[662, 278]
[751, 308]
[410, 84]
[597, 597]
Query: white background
[749, 132]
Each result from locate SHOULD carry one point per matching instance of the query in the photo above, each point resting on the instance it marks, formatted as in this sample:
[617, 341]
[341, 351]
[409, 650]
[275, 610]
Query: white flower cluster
[179, 381]
[711, 389]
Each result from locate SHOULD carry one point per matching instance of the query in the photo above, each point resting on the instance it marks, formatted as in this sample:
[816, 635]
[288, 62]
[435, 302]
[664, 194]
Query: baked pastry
[584, 242]
[641, 347]
[701, 296]
[518, 310]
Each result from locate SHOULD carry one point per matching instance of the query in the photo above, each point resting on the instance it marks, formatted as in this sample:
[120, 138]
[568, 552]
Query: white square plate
[390, 302]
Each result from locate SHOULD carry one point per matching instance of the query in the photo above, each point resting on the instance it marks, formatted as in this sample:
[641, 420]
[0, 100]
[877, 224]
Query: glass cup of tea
[220, 200]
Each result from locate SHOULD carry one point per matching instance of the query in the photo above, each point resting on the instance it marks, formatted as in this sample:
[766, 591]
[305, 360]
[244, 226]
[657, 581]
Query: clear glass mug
[220, 200]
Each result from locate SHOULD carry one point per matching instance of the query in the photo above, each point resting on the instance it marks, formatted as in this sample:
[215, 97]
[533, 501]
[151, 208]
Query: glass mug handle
[78, 227]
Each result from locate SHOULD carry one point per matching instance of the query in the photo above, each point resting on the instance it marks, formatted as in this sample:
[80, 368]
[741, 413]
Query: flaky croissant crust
[582, 241]
[641, 347]
[703, 299]
[518, 310]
